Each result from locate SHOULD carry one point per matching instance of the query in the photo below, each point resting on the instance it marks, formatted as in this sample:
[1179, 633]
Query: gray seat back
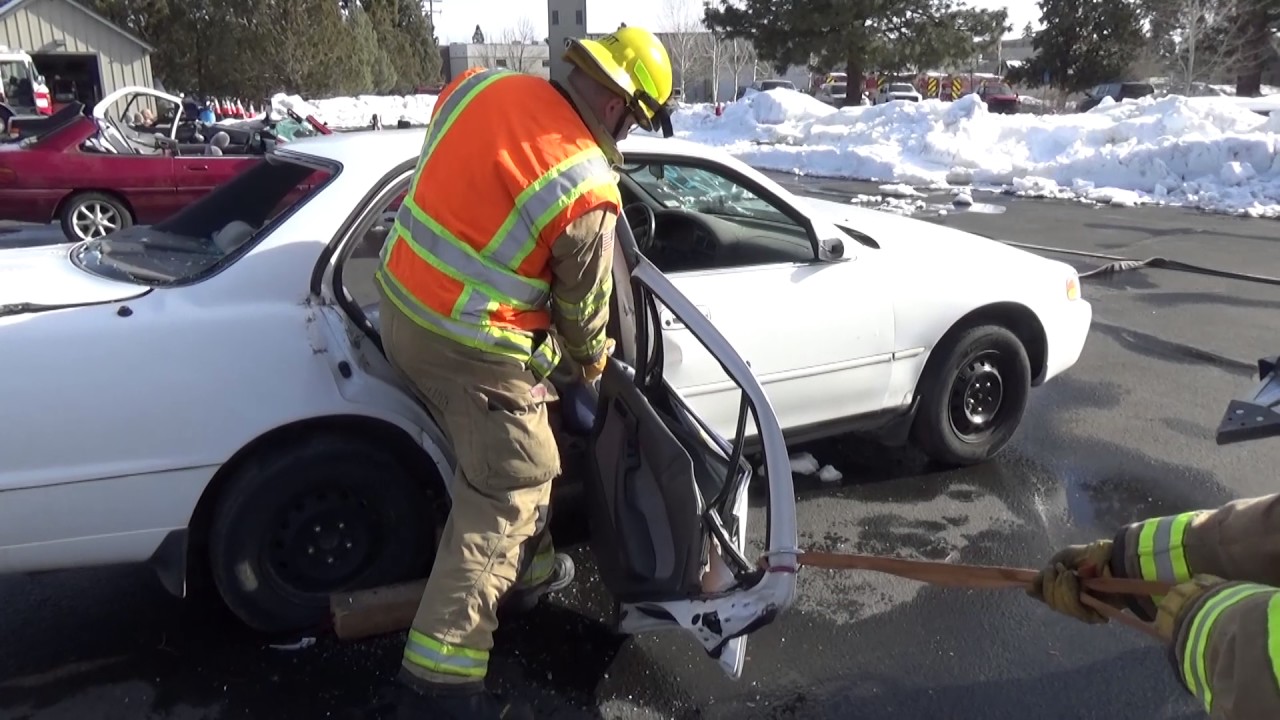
[643, 500]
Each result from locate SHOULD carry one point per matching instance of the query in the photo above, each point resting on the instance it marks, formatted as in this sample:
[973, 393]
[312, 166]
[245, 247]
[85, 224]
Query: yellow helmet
[632, 62]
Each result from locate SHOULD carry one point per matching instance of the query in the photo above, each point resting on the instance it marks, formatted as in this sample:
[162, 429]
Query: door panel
[197, 175]
[818, 336]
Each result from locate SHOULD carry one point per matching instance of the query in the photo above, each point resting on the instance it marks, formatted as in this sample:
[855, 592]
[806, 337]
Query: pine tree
[1083, 43]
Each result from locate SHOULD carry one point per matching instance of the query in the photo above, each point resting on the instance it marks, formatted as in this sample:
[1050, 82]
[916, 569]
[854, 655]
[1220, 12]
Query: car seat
[232, 235]
[217, 143]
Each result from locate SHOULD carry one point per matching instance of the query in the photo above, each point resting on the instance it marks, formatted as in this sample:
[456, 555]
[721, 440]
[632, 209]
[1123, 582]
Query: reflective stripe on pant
[493, 412]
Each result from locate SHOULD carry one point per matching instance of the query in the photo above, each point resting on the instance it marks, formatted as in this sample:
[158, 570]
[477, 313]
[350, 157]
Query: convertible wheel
[973, 398]
[302, 521]
[91, 215]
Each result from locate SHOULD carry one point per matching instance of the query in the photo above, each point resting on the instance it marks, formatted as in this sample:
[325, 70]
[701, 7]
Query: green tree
[1083, 43]
[858, 35]
[368, 52]
[408, 40]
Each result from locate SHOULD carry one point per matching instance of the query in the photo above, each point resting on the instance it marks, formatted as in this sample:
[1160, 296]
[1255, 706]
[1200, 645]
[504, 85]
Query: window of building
[555, 17]
[502, 62]
[546, 63]
[577, 17]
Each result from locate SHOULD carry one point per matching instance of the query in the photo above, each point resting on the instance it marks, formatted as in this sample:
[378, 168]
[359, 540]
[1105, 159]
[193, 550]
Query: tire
[90, 215]
[378, 524]
[992, 356]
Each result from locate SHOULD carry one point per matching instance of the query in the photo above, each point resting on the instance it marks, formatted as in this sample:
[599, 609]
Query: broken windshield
[209, 233]
[700, 190]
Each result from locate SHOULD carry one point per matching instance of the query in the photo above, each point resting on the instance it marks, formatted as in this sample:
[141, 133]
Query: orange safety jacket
[506, 166]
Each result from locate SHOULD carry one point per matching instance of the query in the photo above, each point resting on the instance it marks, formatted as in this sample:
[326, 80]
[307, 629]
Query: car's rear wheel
[301, 521]
[91, 215]
[973, 396]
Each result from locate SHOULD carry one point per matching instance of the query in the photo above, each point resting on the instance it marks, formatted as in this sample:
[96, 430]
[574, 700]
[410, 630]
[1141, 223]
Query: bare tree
[739, 59]
[709, 60]
[514, 48]
[680, 27]
[1202, 41]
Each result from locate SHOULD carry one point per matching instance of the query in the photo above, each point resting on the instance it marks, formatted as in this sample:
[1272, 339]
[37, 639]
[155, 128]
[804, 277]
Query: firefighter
[1221, 619]
[499, 265]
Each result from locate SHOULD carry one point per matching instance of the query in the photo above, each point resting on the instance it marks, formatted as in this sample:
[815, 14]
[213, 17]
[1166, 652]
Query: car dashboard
[688, 240]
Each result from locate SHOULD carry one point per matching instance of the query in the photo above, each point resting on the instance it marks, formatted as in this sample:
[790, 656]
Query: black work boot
[522, 600]
[421, 700]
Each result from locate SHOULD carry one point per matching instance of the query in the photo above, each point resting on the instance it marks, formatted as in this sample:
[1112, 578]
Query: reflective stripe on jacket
[506, 166]
[1226, 648]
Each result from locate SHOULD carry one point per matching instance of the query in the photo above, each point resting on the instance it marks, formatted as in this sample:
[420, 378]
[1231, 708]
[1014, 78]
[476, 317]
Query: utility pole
[431, 17]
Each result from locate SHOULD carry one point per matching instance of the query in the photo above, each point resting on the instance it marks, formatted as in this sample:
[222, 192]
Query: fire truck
[23, 92]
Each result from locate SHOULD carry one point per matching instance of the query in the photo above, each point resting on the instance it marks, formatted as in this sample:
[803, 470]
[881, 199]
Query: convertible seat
[218, 143]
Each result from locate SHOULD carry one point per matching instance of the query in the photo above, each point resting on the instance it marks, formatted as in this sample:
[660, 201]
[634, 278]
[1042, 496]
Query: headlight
[1073, 287]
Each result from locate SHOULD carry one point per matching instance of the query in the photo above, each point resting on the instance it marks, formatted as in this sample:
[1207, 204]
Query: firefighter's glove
[591, 372]
[1182, 596]
[1059, 584]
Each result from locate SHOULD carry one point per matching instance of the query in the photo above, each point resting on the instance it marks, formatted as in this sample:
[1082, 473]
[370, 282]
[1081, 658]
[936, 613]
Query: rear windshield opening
[208, 233]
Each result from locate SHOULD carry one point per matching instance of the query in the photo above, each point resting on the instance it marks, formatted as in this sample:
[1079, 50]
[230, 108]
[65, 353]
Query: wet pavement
[1127, 433]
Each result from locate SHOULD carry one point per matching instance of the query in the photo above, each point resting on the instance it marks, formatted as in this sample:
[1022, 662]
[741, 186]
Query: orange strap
[988, 577]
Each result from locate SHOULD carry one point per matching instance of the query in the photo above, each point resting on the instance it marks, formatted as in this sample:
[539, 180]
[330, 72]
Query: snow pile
[1209, 153]
[344, 113]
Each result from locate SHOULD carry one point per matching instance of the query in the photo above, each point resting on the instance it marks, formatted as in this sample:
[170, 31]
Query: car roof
[377, 152]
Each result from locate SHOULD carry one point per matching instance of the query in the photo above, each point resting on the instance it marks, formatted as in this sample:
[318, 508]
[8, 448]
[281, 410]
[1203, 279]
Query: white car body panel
[274, 349]
[892, 303]
[868, 322]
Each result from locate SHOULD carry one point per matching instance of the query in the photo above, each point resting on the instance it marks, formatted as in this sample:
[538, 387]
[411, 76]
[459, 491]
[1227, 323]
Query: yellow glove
[1059, 586]
[596, 369]
[1180, 597]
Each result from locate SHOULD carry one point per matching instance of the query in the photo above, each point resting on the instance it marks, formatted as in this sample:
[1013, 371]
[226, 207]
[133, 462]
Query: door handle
[197, 168]
[671, 322]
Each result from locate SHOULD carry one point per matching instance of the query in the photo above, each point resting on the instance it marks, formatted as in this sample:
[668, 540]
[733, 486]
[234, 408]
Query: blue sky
[457, 19]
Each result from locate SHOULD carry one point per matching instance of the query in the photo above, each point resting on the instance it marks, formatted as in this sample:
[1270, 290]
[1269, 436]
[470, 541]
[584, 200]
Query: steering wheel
[644, 231]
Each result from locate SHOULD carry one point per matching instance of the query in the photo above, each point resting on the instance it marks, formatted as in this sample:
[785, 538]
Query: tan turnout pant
[495, 415]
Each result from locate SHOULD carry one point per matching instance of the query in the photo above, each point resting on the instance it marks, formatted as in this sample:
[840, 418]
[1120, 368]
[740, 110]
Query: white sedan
[236, 399]
[852, 319]
[235, 417]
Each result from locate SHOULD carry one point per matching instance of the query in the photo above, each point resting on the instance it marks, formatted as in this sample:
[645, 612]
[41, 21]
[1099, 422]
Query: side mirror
[830, 249]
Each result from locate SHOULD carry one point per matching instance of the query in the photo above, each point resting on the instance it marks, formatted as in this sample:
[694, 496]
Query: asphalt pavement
[1126, 434]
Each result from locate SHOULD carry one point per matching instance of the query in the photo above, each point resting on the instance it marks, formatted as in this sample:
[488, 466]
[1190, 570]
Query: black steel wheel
[301, 521]
[973, 395]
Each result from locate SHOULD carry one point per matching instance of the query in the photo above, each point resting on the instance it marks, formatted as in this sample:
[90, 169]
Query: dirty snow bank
[1201, 152]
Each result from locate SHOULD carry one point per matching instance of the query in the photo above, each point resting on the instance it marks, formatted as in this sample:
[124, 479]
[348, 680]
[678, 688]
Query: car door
[195, 176]
[666, 496]
[818, 333]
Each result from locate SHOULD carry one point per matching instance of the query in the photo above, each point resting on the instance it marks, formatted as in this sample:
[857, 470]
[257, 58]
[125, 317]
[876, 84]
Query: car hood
[44, 278]
[912, 239]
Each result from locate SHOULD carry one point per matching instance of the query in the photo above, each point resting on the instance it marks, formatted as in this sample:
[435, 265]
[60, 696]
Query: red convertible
[138, 159]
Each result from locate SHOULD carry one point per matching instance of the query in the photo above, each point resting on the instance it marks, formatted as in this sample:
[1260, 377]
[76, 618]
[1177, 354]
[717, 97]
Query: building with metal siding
[88, 54]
